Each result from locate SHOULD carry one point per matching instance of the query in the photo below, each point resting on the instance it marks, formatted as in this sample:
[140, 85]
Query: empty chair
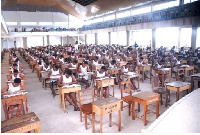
[127, 98]
[180, 74]
[86, 98]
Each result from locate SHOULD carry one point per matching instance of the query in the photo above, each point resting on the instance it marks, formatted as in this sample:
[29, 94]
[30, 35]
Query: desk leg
[163, 79]
[192, 83]
[145, 115]
[119, 123]
[63, 102]
[60, 99]
[113, 90]
[110, 119]
[143, 75]
[93, 122]
[138, 81]
[101, 123]
[166, 97]
[37, 130]
[157, 108]
[133, 110]
[101, 92]
[177, 94]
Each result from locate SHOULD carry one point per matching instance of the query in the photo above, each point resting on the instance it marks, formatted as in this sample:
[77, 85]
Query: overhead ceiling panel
[84, 2]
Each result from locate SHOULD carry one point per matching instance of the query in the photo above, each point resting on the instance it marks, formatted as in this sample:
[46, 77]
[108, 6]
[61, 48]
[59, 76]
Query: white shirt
[66, 80]
[101, 74]
[13, 89]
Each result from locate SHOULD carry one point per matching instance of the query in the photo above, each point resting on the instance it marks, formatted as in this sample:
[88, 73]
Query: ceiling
[79, 8]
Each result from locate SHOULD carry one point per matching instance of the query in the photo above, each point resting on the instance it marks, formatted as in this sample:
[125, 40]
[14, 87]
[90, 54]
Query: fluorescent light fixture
[45, 23]
[120, 9]
[11, 23]
[94, 9]
[28, 23]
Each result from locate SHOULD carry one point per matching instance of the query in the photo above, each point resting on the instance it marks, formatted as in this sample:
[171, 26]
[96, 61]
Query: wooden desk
[62, 92]
[105, 83]
[145, 98]
[114, 71]
[122, 63]
[144, 68]
[187, 68]
[177, 86]
[96, 67]
[80, 60]
[164, 71]
[106, 106]
[136, 75]
[23, 97]
[195, 77]
[129, 59]
[21, 124]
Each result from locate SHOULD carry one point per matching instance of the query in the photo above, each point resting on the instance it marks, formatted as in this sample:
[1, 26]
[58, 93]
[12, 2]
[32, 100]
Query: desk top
[182, 117]
[145, 95]
[106, 101]
[18, 122]
[196, 75]
[177, 84]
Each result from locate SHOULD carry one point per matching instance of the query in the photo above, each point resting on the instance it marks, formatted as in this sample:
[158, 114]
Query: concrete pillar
[128, 38]
[96, 38]
[43, 41]
[85, 39]
[48, 41]
[25, 46]
[194, 37]
[179, 38]
[61, 41]
[153, 39]
[181, 2]
[109, 38]
[67, 39]
[1, 44]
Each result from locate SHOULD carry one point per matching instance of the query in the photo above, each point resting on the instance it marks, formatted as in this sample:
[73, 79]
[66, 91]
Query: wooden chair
[86, 98]
[180, 74]
[128, 98]
[11, 104]
[156, 87]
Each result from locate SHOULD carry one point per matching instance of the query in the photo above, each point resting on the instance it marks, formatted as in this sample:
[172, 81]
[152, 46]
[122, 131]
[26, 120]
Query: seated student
[125, 69]
[16, 75]
[84, 68]
[95, 62]
[54, 72]
[46, 67]
[141, 62]
[100, 74]
[61, 59]
[119, 58]
[67, 79]
[74, 64]
[113, 64]
[15, 66]
[13, 88]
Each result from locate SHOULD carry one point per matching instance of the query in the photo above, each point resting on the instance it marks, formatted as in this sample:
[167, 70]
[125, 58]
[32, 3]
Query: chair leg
[81, 119]
[85, 121]
[161, 99]
[129, 109]
[122, 106]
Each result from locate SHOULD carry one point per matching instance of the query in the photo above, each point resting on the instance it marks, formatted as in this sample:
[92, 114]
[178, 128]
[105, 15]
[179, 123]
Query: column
[43, 41]
[109, 37]
[67, 39]
[153, 39]
[25, 42]
[96, 38]
[179, 38]
[85, 39]
[127, 38]
[194, 37]
[181, 2]
[48, 41]
[61, 41]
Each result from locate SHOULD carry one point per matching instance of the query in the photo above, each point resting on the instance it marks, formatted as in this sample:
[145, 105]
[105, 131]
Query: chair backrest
[126, 90]
[155, 82]
[86, 96]
[10, 107]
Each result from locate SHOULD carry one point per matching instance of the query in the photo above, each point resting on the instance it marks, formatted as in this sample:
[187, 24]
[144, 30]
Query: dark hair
[85, 62]
[17, 60]
[15, 65]
[15, 71]
[113, 61]
[57, 67]
[68, 71]
[17, 80]
[75, 61]
[104, 68]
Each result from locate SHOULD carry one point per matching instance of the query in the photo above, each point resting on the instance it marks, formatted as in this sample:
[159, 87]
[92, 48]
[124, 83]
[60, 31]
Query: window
[122, 40]
[103, 38]
[90, 38]
[185, 37]
[167, 37]
[109, 17]
[45, 23]
[141, 11]
[11, 23]
[165, 5]
[123, 14]
[28, 23]
[142, 37]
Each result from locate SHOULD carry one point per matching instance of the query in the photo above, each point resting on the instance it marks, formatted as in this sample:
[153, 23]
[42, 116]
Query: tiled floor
[54, 120]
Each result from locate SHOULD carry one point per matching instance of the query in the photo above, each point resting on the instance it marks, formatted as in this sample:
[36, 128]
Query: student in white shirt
[68, 79]
[84, 68]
